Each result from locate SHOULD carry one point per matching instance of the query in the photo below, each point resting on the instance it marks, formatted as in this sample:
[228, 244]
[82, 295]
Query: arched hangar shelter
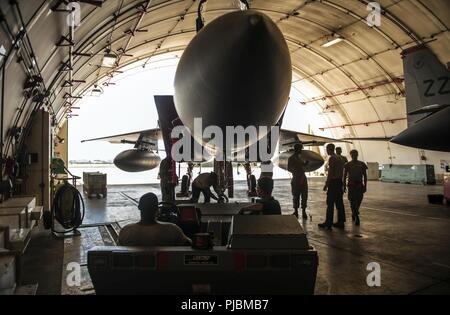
[346, 63]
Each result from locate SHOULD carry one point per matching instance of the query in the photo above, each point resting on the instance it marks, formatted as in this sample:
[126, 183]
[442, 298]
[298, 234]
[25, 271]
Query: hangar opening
[136, 87]
[102, 164]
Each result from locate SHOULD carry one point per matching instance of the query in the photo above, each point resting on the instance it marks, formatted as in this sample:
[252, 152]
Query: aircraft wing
[368, 139]
[289, 138]
[141, 139]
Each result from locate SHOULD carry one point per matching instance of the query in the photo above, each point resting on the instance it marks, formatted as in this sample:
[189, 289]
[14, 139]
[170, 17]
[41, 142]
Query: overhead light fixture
[96, 91]
[332, 40]
[109, 60]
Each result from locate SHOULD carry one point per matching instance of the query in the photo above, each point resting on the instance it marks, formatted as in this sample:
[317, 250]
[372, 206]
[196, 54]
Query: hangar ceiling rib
[356, 83]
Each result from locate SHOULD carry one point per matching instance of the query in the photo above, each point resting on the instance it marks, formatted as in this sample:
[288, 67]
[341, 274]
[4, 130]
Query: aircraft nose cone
[235, 72]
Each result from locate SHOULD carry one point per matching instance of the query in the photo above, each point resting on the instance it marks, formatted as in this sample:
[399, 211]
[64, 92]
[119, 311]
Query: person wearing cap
[356, 172]
[267, 204]
[150, 232]
[299, 182]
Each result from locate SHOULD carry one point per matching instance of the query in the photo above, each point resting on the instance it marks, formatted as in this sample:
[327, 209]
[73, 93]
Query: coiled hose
[68, 208]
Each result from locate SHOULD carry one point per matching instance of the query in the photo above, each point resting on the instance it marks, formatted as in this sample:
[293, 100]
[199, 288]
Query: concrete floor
[400, 231]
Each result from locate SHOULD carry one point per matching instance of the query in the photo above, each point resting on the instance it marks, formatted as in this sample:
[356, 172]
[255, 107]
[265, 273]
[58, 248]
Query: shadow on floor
[43, 257]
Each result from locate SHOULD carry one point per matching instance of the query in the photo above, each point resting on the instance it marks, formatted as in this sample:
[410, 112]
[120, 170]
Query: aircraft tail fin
[168, 118]
[427, 83]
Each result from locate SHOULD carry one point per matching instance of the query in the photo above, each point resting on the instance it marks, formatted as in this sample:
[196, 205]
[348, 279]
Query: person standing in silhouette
[334, 188]
[299, 182]
[356, 173]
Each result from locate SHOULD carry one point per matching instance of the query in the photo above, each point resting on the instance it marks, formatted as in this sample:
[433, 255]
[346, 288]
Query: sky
[129, 106]
[125, 107]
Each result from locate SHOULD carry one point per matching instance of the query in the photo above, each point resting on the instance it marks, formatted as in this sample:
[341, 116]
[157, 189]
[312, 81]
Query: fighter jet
[235, 72]
[144, 156]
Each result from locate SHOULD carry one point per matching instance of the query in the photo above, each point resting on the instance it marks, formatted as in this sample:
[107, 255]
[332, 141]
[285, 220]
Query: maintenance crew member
[356, 171]
[168, 180]
[267, 204]
[299, 182]
[149, 231]
[339, 154]
[334, 188]
[202, 184]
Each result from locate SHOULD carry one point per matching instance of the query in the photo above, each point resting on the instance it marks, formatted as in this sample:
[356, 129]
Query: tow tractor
[230, 254]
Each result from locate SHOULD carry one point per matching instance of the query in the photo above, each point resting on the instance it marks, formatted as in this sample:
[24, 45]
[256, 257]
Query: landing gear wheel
[251, 186]
[185, 183]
